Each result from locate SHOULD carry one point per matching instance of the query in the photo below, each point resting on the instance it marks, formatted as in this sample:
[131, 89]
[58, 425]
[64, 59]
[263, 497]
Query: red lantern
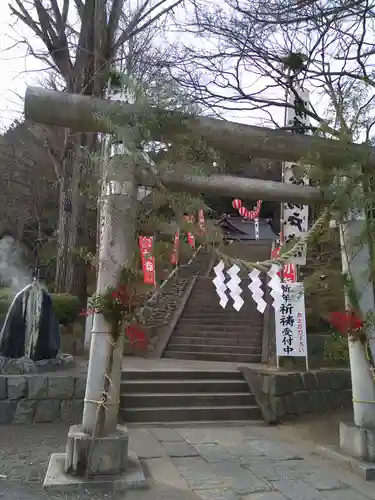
[237, 204]
[243, 211]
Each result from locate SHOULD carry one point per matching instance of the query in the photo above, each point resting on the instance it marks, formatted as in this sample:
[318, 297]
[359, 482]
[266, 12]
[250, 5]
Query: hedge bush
[5, 293]
[66, 307]
[5, 298]
[4, 304]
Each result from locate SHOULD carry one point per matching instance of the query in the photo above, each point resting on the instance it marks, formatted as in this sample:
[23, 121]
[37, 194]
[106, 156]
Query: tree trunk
[68, 216]
[73, 234]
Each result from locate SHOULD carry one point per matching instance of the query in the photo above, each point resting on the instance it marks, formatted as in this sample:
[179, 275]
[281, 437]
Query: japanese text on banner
[290, 322]
[147, 259]
[295, 217]
[289, 270]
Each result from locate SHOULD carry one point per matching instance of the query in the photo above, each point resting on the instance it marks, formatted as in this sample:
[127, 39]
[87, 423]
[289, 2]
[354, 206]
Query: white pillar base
[58, 480]
[358, 442]
[111, 465]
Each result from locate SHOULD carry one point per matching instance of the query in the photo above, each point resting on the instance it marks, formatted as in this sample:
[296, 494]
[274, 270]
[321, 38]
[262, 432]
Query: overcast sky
[16, 70]
[19, 70]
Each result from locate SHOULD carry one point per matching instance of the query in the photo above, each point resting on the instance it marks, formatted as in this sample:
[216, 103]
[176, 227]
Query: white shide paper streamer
[235, 289]
[256, 289]
[275, 285]
[219, 282]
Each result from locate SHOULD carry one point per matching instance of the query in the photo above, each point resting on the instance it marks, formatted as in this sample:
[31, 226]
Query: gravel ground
[25, 453]
[25, 450]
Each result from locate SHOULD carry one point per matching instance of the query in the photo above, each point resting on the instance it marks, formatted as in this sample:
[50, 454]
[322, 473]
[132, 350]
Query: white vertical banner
[295, 217]
[290, 322]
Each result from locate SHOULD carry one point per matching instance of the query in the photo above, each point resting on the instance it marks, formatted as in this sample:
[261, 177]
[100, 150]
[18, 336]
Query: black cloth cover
[12, 336]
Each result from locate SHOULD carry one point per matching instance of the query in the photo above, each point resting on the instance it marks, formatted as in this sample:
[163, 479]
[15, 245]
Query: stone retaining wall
[49, 397]
[307, 392]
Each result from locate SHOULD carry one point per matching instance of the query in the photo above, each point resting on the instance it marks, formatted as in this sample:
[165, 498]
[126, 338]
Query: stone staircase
[163, 306]
[206, 331]
[173, 396]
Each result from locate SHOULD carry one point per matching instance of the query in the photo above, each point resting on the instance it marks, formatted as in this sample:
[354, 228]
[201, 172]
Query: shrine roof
[244, 230]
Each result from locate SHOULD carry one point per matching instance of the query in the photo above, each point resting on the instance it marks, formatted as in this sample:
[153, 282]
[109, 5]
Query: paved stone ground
[205, 463]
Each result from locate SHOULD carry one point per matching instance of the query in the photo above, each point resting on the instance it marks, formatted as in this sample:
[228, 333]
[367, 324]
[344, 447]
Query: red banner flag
[176, 244]
[289, 270]
[290, 273]
[148, 260]
[190, 236]
[202, 223]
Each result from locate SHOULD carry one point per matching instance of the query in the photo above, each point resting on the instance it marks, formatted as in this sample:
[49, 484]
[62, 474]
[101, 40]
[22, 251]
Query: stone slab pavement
[189, 463]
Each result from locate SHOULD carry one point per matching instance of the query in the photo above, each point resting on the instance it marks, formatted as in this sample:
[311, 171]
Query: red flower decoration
[345, 322]
[123, 296]
[88, 312]
[136, 336]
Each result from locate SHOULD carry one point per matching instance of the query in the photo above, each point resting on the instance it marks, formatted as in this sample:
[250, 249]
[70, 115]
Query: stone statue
[31, 329]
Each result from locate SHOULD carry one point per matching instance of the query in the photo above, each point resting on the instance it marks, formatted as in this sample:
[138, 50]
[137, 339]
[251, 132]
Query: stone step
[205, 286]
[143, 400]
[221, 319]
[234, 326]
[200, 311]
[205, 385]
[191, 413]
[217, 332]
[220, 323]
[209, 294]
[210, 356]
[212, 341]
[181, 374]
[219, 349]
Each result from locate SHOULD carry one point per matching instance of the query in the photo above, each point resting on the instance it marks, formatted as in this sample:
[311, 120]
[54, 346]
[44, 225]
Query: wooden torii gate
[82, 113]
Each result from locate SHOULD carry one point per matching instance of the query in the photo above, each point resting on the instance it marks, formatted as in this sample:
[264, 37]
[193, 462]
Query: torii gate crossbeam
[88, 114]
[83, 113]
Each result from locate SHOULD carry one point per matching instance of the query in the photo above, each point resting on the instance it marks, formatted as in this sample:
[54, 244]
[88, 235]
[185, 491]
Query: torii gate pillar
[97, 451]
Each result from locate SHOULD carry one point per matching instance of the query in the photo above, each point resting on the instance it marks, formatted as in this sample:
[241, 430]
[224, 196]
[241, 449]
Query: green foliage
[5, 293]
[66, 307]
[336, 350]
[4, 305]
[294, 61]
[322, 275]
[5, 300]
[120, 303]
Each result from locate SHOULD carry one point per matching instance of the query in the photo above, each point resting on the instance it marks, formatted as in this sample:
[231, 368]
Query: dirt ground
[318, 429]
